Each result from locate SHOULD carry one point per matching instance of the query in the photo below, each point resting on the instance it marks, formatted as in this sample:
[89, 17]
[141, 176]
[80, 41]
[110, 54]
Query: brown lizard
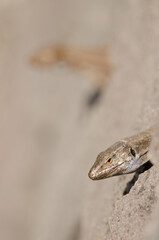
[93, 60]
[123, 157]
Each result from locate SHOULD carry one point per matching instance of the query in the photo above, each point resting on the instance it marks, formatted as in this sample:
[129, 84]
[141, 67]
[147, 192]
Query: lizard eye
[109, 160]
[133, 152]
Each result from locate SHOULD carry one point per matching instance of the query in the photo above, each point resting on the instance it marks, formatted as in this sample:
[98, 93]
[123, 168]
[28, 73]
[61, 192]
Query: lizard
[124, 157]
[91, 60]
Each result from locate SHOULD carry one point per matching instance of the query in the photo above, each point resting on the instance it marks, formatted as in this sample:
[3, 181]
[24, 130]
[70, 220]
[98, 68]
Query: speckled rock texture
[50, 137]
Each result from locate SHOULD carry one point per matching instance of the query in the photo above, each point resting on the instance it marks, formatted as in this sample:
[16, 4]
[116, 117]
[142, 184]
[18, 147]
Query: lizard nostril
[91, 174]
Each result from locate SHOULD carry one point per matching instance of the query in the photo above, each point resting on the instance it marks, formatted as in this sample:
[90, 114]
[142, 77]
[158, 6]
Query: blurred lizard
[92, 60]
[125, 156]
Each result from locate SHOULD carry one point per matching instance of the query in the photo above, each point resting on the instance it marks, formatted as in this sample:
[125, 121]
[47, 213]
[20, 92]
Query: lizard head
[120, 158]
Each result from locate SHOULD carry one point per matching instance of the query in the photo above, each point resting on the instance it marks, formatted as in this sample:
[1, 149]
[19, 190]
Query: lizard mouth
[112, 171]
[95, 174]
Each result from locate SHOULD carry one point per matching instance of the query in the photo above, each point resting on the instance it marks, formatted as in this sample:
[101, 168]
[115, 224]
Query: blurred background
[70, 74]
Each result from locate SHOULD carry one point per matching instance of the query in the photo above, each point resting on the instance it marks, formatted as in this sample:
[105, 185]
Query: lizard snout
[92, 174]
